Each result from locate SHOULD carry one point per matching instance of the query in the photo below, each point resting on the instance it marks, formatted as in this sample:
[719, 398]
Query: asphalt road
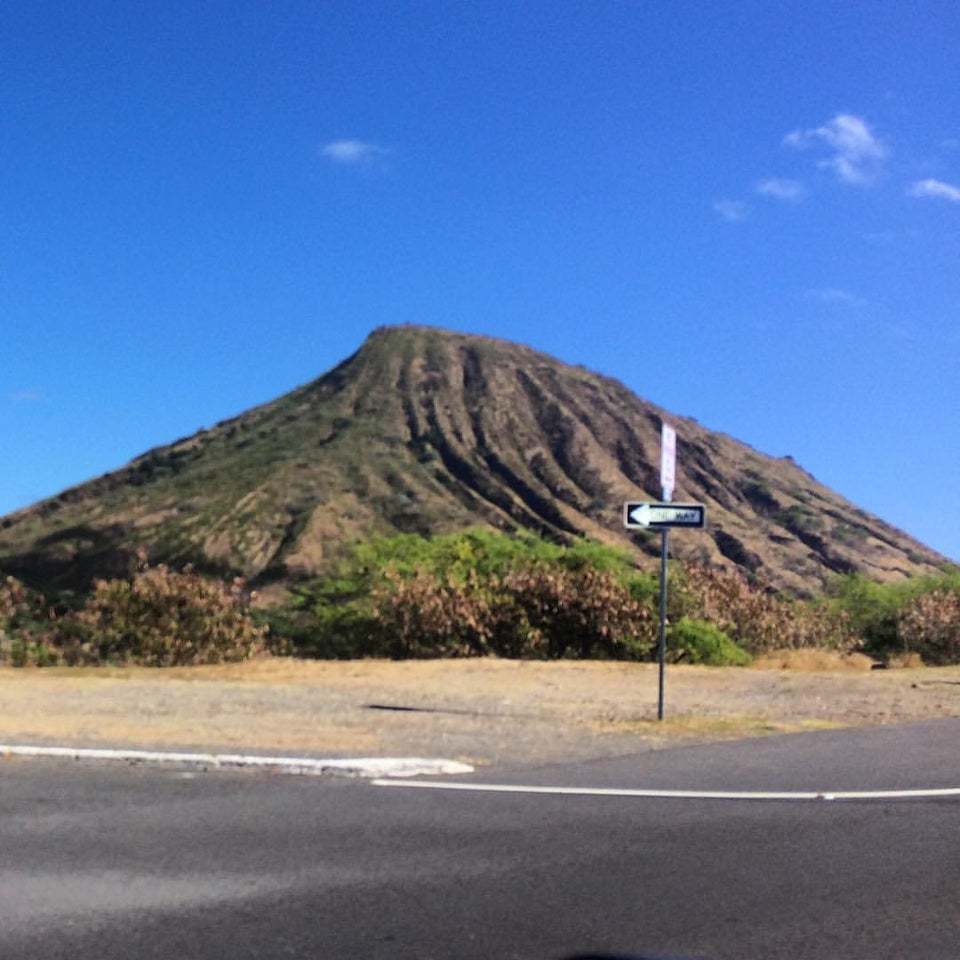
[104, 863]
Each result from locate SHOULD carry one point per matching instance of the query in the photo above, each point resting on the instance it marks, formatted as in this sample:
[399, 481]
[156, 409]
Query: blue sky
[748, 212]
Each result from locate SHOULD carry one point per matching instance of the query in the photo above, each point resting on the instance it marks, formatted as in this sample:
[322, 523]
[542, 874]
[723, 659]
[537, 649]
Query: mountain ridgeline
[425, 431]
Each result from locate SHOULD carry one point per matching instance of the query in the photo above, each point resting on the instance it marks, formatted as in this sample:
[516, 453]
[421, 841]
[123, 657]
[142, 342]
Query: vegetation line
[477, 593]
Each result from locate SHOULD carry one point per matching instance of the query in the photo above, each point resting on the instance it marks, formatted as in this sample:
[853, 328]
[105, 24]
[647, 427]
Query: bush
[756, 618]
[160, 618]
[474, 593]
[542, 611]
[24, 621]
[26, 652]
[895, 618]
[929, 625]
[426, 616]
[696, 641]
[477, 552]
[13, 598]
[873, 610]
[578, 613]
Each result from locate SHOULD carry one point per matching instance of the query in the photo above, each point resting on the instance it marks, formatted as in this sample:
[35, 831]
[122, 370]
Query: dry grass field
[483, 711]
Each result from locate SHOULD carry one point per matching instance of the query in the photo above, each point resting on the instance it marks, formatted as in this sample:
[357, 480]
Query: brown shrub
[13, 597]
[929, 625]
[580, 613]
[160, 618]
[425, 616]
[759, 620]
[531, 612]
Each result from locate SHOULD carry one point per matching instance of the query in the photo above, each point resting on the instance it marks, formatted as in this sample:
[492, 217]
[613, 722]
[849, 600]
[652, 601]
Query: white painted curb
[345, 767]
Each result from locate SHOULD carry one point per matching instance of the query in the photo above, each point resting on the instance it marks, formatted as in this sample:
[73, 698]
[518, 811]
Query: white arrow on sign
[664, 515]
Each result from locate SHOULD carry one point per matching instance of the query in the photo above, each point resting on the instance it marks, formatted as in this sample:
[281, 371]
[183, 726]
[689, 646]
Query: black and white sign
[657, 516]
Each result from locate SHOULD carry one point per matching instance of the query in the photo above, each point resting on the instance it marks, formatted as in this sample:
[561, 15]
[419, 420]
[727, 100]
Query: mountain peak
[424, 430]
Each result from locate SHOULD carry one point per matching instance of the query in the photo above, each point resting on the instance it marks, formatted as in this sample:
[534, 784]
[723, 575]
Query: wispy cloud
[352, 152]
[856, 152]
[733, 211]
[935, 189]
[28, 396]
[836, 297]
[781, 189]
[899, 331]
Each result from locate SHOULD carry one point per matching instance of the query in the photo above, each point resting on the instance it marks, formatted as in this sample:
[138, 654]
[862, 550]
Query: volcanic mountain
[427, 431]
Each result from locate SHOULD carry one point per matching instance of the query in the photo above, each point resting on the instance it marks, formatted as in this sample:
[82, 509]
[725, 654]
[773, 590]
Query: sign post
[662, 640]
[668, 475]
[662, 516]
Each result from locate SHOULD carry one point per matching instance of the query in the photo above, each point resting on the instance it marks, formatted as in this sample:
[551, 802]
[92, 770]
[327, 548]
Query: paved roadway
[116, 863]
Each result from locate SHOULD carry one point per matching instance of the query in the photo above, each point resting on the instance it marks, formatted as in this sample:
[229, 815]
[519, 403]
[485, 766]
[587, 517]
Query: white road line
[675, 794]
[345, 766]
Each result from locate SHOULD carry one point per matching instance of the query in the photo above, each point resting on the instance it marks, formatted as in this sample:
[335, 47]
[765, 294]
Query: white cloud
[781, 189]
[936, 189]
[856, 151]
[28, 396]
[899, 331]
[836, 297]
[733, 211]
[352, 151]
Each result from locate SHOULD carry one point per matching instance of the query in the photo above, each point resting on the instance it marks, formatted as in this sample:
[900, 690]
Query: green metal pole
[662, 649]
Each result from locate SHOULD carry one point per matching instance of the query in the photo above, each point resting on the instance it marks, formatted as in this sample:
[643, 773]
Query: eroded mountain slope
[428, 431]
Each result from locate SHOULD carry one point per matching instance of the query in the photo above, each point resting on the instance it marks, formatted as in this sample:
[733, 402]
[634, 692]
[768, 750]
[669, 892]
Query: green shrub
[473, 593]
[873, 609]
[17, 653]
[475, 552]
[893, 618]
[696, 641]
[24, 624]
[24, 652]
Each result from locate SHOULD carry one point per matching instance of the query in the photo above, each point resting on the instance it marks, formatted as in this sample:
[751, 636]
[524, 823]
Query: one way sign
[657, 516]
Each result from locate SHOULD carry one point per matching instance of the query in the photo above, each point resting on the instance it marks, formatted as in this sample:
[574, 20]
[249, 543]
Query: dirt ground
[481, 711]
